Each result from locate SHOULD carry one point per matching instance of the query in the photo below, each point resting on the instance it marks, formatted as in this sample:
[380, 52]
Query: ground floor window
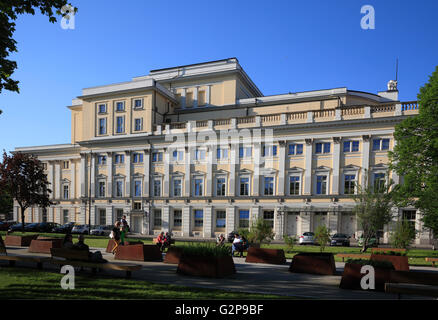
[157, 219]
[102, 217]
[177, 218]
[410, 216]
[268, 216]
[220, 219]
[65, 216]
[119, 214]
[44, 215]
[243, 218]
[199, 218]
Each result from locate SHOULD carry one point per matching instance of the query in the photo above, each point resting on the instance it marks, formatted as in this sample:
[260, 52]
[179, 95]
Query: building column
[365, 159]
[209, 180]
[93, 175]
[233, 162]
[147, 172]
[230, 219]
[109, 215]
[336, 164]
[395, 176]
[208, 222]
[186, 221]
[16, 215]
[57, 211]
[109, 159]
[83, 176]
[279, 222]
[257, 156]
[254, 214]
[183, 98]
[305, 221]
[52, 179]
[128, 173]
[187, 173]
[83, 215]
[73, 180]
[165, 216]
[93, 215]
[58, 185]
[207, 95]
[282, 168]
[166, 178]
[308, 168]
[195, 97]
[333, 220]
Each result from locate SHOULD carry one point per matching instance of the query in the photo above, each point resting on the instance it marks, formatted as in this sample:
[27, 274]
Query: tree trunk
[22, 218]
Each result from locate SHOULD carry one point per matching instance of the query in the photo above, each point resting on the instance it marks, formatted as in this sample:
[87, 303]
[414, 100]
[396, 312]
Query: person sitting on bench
[80, 245]
[220, 241]
[68, 241]
[160, 241]
[237, 245]
[166, 241]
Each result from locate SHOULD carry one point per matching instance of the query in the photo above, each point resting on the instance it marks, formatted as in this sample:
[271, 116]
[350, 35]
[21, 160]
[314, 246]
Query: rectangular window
[322, 147]
[321, 185]
[119, 158]
[138, 158]
[380, 144]
[220, 186]
[157, 219]
[65, 216]
[137, 188]
[102, 126]
[138, 124]
[349, 184]
[243, 218]
[102, 108]
[120, 106]
[120, 127]
[385, 144]
[137, 206]
[269, 151]
[101, 159]
[177, 218]
[157, 188]
[351, 146]
[295, 149]
[65, 164]
[119, 214]
[269, 186]
[65, 191]
[220, 219]
[200, 154]
[101, 189]
[157, 156]
[177, 189]
[199, 218]
[222, 153]
[119, 188]
[245, 152]
[379, 181]
[268, 216]
[102, 217]
[138, 103]
[244, 186]
[177, 155]
[294, 185]
[199, 185]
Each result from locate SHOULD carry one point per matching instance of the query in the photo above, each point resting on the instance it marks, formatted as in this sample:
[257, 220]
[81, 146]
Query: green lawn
[416, 256]
[26, 283]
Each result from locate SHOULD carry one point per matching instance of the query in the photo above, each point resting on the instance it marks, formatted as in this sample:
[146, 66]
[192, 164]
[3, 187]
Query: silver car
[101, 230]
[307, 238]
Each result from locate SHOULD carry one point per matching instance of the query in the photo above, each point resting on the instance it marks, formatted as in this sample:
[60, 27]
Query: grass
[23, 283]
[416, 256]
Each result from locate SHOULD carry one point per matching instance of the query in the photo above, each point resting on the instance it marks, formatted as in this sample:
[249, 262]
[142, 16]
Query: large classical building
[199, 150]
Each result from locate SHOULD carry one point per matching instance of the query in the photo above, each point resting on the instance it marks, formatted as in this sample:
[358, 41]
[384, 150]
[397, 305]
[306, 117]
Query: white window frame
[102, 104]
[248, 176]
[321, 172]
[194, 178]
[98, 188]
[160, 179]
[122, 181]
[221, 176]
[141, 124]
[356, 180]
[133, 104]
[181, 179]
[115, 106]
[123, 125]
[274, 181]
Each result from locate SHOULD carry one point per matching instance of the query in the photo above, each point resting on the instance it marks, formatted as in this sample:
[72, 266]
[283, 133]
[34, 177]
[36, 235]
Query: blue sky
[284, 46]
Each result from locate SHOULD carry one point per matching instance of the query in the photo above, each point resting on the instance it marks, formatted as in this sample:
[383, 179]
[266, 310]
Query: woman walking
[116, 236]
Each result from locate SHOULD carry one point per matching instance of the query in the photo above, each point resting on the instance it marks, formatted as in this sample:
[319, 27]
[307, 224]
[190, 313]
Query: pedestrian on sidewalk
[116, 236]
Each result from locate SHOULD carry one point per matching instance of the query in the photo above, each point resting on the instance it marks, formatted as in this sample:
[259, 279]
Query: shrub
[322, 236]
[403, 235]
[390, 253]
[206, 250]
[261, 231]
[290, 242]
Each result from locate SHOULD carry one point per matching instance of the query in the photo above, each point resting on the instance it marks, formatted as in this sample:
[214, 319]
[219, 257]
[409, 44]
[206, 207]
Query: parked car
[16, 227]
[307, 238]
[47, 226]
[5, 225]
[81, 228]
[65, 228]
[373, 242]
[31, 227]
[340, 239]
[101, 230]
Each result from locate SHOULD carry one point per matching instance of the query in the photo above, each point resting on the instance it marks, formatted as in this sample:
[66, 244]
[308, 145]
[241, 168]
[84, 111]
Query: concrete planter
[351, 277]
[20, 241]
[111, 244]
[401, 263]
[44, 245]
[261, 255]
[139, 252]
[313, 263]
[173, 255]
[213, 267]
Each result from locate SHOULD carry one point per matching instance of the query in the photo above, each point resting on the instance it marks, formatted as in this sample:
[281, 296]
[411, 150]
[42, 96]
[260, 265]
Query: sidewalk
[251, 278]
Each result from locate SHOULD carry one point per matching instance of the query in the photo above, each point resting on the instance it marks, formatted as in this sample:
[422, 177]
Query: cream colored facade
[149, 147]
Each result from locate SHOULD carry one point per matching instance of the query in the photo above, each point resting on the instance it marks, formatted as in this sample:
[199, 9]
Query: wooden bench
[409, 288]
[80, 258]
[13, 259]
[433, 260]
[353, 256]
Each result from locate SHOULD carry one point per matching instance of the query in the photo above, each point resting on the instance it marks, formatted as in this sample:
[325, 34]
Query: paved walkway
[250, 277]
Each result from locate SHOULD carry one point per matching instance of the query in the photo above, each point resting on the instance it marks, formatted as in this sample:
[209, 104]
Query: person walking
[116, 236]
[124, 229]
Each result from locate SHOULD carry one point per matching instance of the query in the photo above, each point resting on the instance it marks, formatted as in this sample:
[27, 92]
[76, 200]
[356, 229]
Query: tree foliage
[373, 209]
[6, 202]
[402, 235]
[260, 231]
[415, 156]
[322, 236]
[9, 11]
[22, 176]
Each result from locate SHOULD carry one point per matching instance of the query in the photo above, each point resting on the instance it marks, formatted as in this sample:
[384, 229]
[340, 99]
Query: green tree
[6, 202]
[290, 242]
[9, 11]
[22, 176]
[415, 157]
[322, 236]
[402, 235]
[373, 208]
[261, 231]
